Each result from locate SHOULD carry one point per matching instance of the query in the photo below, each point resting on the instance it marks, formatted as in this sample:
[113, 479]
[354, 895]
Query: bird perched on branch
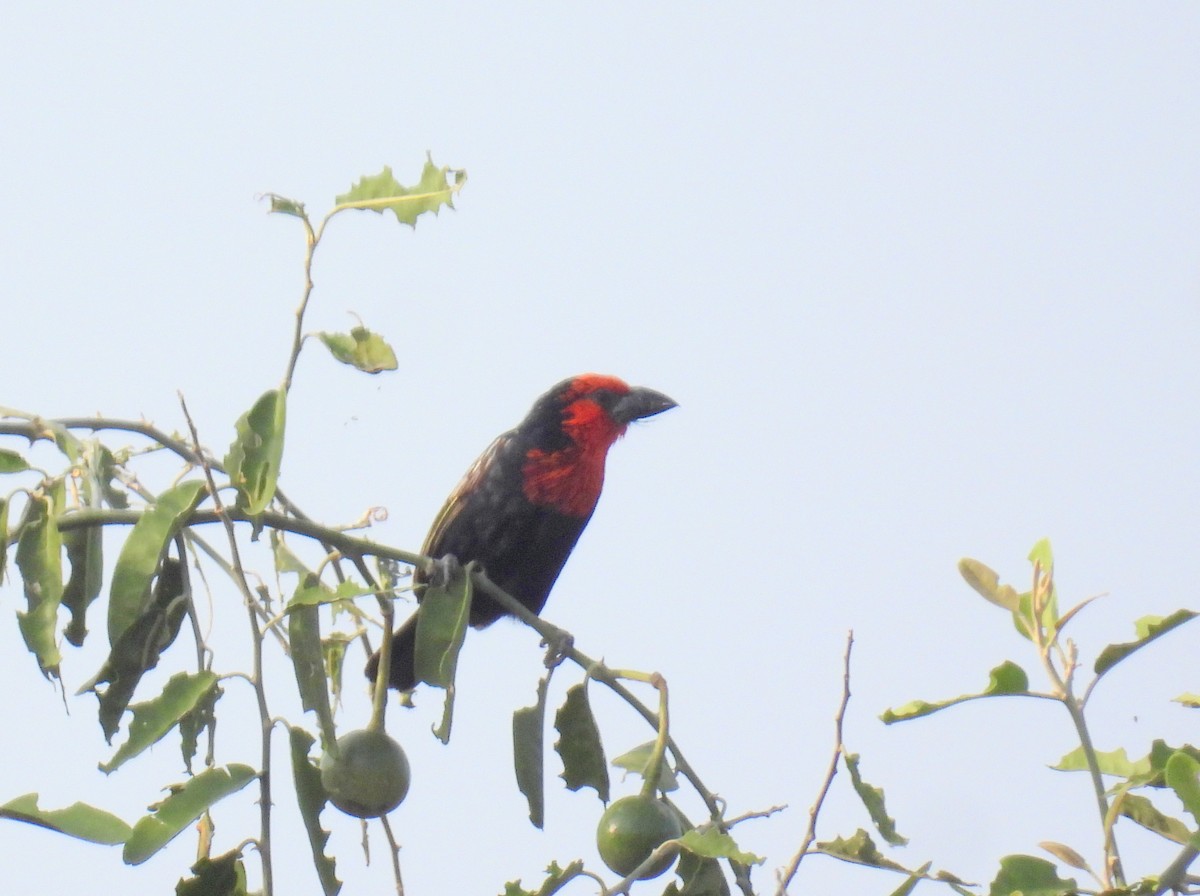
[524, 503]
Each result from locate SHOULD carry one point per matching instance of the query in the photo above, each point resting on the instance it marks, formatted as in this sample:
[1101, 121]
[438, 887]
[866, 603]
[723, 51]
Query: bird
[521, 507]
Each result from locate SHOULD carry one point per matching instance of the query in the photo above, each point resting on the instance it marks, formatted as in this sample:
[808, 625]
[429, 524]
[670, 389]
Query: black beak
[640, 403]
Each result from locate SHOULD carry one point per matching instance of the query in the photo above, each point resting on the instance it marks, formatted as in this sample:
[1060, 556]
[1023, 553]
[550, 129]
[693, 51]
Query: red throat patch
[569, 480]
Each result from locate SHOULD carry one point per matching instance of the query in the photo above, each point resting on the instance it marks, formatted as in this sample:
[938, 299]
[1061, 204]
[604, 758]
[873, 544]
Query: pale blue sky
[924, 278]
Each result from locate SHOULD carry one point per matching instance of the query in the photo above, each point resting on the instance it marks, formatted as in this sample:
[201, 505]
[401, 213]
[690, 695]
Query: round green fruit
[367, 776]
[632, 828]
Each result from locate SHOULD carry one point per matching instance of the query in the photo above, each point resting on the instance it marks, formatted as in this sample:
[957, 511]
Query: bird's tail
[402, 676]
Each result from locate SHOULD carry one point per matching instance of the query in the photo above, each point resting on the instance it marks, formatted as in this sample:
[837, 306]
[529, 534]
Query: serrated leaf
[985, 581]
[39, 559]
[1183, 776]
[281, 205]
[1148, 628]
[1115, 762]
[12, 462]
[1030, 876]
[872, 798]
[361, 349]
[129, 593]
[579, 744]
[79, 820]
[441, 627]
[308, 661]
[223, 876]
[310, 795]
[1007, 679]
[1065, 854]
[185, 804]
[556, 879]
[256, 454]
[154, 718]
[714, 844]
[85, 553]
[529, 751]
[860, 849]
[638, 758]
[383, 192]
[140, 646]
[1140, 810]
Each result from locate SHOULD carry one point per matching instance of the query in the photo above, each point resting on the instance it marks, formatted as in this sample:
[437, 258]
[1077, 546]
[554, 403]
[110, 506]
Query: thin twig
[394, 848]
[785, 877]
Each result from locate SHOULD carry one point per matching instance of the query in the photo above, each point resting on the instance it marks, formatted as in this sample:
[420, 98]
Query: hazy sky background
[924, 279]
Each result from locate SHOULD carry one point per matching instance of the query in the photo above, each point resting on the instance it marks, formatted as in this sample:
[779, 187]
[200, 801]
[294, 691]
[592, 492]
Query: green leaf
[154, 718]
[223, 876]
[1007, 679]
[81, 821]
[714, 844]
[638, 758]
[528, 752]
[383, 191]
[85, 554]
[310, 794]
[186, 803]
[872, 798]
[860, 849]
[984, 580]
[12, 462]
[1147, 628]
[441, 627]
[256, 454]
[281, 205]
[700, 877]
[912, 880]
[192, 724]
[556, 879]
[304, 633]
[1183, 776]
[39, 558]
[1030, 876]
[579, 744]
[1116, 762]
[3, 536]
[362, 349]
[1042, 556]
[129, 593]
[1140, 810]
[312, 592]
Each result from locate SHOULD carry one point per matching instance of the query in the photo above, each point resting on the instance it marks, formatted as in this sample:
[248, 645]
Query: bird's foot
[444, 570]
[558, 646]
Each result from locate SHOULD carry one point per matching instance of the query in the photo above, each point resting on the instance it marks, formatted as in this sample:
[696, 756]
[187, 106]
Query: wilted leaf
[1139, 809]
[382, 192]
[1030, 876]
[872, 798]
[985, 580]
[528, 753]
[700, 877]
[39, 558]
[714, 844]
[1191, 700]
[256, 454]
[860, 849]
[1065, 854]
[193, 723]
[281, 205]
[129, 593]
[81, 821]
[186, 803]
[154, 718]
[223, 876]
[310, 794]
[1005, 680]
[362, 349]
[912, 880]
[85, 554]
[1148, 628]
[579, 744]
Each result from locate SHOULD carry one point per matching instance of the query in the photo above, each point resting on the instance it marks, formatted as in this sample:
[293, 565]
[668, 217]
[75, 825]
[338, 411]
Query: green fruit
[367, 776]
[632, 828]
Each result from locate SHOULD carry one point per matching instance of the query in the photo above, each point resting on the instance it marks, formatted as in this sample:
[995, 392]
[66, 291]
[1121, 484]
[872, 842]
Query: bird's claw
[557, 647]
[444, 570]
